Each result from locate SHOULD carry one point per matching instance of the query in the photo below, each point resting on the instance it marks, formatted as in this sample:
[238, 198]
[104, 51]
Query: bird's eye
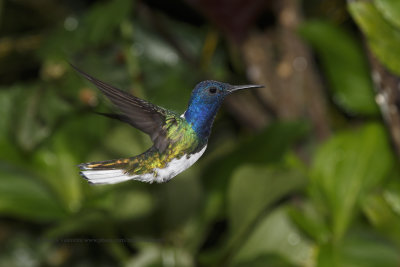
[212, 90]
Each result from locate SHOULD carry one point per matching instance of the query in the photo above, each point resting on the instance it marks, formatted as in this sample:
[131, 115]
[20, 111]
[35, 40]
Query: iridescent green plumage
[185, 143]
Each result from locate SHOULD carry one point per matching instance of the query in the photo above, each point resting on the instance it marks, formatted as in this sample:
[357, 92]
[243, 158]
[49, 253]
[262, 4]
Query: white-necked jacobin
[179, 141]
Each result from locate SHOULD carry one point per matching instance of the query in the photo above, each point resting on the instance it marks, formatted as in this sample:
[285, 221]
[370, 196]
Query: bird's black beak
[240, 87]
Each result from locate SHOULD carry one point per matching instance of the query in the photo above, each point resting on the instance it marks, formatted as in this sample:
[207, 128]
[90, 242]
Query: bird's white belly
[176, 166]
[173, 168]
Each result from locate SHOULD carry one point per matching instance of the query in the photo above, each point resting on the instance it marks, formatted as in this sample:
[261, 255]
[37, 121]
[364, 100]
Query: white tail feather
[113, 176]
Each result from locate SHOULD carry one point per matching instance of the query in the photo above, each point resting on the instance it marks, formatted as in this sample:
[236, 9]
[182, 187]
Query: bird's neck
[201, 117]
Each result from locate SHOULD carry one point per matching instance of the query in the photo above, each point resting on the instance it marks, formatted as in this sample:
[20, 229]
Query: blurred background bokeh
[303, 172]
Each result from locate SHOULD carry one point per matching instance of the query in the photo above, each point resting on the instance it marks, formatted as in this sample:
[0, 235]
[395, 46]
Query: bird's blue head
[205, 101]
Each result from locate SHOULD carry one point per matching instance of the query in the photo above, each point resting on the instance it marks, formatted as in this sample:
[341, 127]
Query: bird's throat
[201, 118]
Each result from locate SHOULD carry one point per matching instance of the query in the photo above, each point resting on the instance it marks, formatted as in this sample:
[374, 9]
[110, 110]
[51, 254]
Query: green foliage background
[252, 200]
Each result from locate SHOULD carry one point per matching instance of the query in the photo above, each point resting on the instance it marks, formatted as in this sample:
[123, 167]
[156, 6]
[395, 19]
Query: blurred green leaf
[8, 98]
[382, 216]
[81, 134]
[346, 167]
[382, 37]
[131, 204]
[392, 194]
[362, 248]
[68, 183]
[345, 65]
[99, 24]
[267, 147]
[29, 131]
[87, 221]
[125, 141]
[23, 249]
[275, 233]
[310, 220]
[53, 108]
[253, 189]
[178, 200]
[36, 112]
[155, 255]
[265, 260]
[148, 255]
[23, 195]
[57, 161]
[390, 9]
[104, 18]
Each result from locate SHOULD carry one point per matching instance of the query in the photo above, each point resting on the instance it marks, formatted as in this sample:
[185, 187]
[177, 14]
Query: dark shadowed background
[303, 172]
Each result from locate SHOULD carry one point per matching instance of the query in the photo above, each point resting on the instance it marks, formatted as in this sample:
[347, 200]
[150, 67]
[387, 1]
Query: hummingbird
[178, 140]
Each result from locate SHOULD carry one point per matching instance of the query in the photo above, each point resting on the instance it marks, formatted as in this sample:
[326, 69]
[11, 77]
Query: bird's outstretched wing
[137, 112]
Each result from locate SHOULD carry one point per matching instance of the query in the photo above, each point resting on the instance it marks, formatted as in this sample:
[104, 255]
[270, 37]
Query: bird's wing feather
[139, 113]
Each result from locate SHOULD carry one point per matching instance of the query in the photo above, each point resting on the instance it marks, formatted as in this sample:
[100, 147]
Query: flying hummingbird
[178, 140]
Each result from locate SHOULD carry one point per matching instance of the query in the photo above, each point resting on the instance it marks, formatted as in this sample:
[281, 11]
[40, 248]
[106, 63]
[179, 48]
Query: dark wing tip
[81, 72]
[83, 176]
[74, 67]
